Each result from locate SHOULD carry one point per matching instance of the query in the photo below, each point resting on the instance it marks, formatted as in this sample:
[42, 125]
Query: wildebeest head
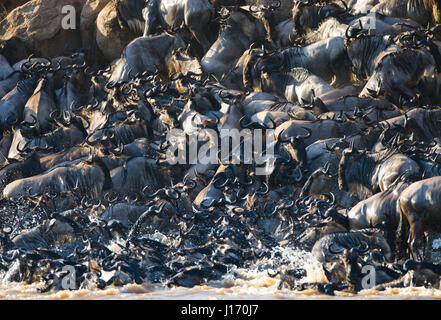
[349, 155]
[181, 62]
[362, 50]
[377, 240]
[398, 74]
[307, 15]
[350, 260]
[317, 181]
[251, 76]
[250, 24]
[297, 146]
[390, 134]
[270, 62]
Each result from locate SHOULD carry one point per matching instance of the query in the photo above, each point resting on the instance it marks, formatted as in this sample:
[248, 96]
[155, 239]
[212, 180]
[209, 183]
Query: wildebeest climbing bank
[271, 147]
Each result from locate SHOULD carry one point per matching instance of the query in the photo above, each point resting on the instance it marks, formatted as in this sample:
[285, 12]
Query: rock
[110, 38]
[5, 68]
[37, 26]
[12, 4]
[89, 13]
[15, 50]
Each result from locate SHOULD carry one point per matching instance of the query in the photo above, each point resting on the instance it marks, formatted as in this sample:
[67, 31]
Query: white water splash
[281, 259]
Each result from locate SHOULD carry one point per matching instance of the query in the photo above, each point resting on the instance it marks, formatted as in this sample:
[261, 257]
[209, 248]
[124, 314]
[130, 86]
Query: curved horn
[335, 250]
[345, 5]
[265, 191]
[173, 194]
[332, 197]
[300, 176]
[24, 147]
[362, 248]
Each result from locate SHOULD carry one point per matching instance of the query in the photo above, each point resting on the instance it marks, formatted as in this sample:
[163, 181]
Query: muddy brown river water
[263, 287]
[238, 284]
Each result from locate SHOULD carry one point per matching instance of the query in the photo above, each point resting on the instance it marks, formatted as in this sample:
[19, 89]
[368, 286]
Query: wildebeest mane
[362, 169]
[292, 55]
[406, 61]
[26, 87]
[369, 46]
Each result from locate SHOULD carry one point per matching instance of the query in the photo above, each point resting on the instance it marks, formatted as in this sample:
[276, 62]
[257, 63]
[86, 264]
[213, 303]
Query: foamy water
[259, 287]
[254, 284]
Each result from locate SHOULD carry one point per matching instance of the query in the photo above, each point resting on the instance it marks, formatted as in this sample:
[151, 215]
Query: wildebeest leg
[428, 239]
[149, 14]
[414, 221]
[414, 248]
[328, 274]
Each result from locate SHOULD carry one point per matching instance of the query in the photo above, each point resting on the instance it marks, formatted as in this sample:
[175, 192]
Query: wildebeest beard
[129, 13]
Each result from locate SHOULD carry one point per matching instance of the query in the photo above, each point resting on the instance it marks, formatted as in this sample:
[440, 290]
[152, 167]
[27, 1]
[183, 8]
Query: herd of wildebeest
[351, 91]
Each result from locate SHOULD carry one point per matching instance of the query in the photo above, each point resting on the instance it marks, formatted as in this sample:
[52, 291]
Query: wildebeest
[40, 105]
[18, 170]
[89, 178]
[320, 58]
[320, 129]
[297, 85]
[136, 174]
[372, 172]
[353, 265]
[240, 31]
[12, 104]
[308, 16]
[141, 16]
[351, 111]
[330, 247]
[9, 83]
[419, 209]
[146, 54]
[48, 233]
[422, 11]
[398, 74]
[363, 51]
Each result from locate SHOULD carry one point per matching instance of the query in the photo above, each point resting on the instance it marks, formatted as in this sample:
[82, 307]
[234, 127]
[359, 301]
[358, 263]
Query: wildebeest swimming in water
[352, 116]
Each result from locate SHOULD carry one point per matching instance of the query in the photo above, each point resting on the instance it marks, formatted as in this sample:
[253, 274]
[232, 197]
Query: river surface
[258, 288]
[237, 284]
